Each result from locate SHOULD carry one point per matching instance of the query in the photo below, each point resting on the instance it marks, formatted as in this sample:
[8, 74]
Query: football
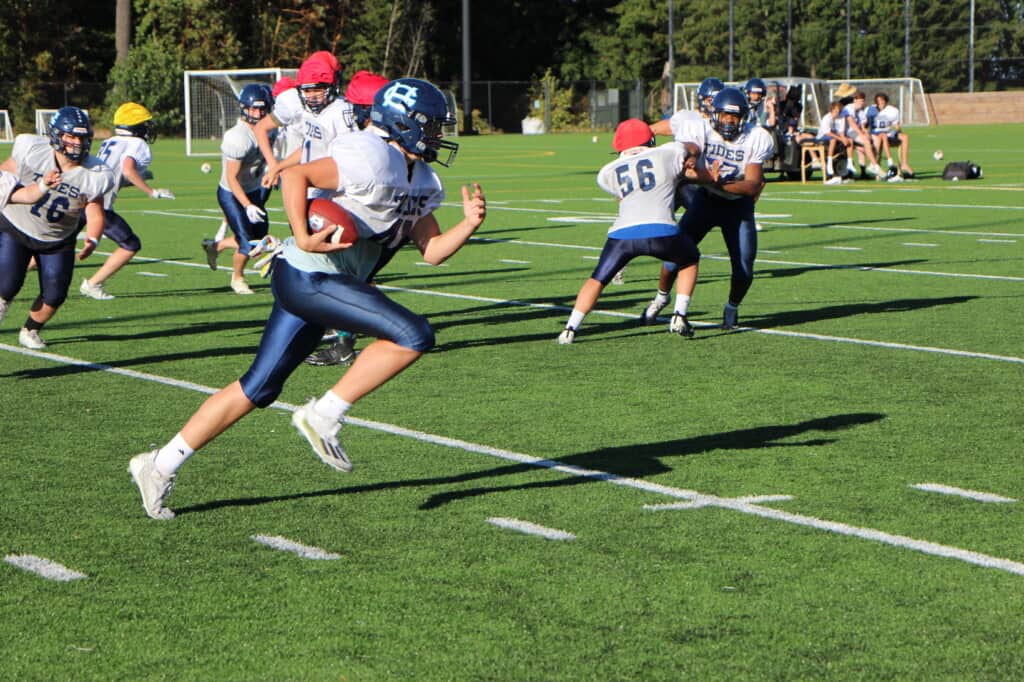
[324, 214]
[206, 168]
[938, 155]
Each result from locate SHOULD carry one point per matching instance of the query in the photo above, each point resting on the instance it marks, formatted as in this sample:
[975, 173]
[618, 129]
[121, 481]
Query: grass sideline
[883, 352]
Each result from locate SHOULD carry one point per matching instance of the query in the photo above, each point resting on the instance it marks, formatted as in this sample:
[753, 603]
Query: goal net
[6, 131]
[211, 104]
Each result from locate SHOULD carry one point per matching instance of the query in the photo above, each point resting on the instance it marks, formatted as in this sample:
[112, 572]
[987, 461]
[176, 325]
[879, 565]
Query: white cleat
[4, 305]
[567, 336]
[650, 314]
[680, 325]
[834, 180]
[619, 278]
[240, 287]
[30, 339]
[94, 291]
[322, 435]
[875, 169]
[153, 486]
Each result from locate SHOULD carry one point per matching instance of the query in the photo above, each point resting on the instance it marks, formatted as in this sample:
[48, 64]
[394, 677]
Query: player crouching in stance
[49, 227]
[383, 180]
[240, 194]
[643, 179]
[127, 154]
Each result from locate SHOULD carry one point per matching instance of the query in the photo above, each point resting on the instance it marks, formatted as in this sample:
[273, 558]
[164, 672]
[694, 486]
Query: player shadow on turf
[627, 461]
[804, 269]
[639, 461]
[833, 312]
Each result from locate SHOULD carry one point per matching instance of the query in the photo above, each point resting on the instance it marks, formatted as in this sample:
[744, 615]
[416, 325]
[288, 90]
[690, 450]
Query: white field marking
[571, 219]
[918, 244]
[739, 505]
[912, 230]
[424, 264]
[591, 258]
[151, 274]
[530, 528]
[961, 492]
[998, 241]
[843, 248]
[513, 261]
[548, 201]
[759, 215]
[44, 568]
[522, 242]
[297, 548]
[774, 253]
[697, 504]
[906, 204]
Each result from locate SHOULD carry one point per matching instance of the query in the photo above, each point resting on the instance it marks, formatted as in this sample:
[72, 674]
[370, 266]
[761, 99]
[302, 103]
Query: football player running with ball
[48, 228]
[127, 154]
[383, 179]
[643, 179]
[737, 149]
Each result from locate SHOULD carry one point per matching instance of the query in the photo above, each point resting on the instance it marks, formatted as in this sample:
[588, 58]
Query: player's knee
[418, 335]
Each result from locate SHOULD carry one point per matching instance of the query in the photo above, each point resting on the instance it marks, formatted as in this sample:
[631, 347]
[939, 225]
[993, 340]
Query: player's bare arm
[437, 246]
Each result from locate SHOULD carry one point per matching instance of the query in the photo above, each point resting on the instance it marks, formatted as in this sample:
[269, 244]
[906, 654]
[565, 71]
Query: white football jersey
[886, 119]
[383, 196]
[8, 183]
[831, 124]
[753, 145]
[55, 216]
[240, 144]
[643, 179]
[317, 130]
[688, 126]
[114, 151]
[860, 116]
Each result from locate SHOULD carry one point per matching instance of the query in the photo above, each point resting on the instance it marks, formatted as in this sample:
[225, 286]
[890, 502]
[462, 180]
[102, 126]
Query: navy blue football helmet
[255, 96]
[729, 101]
[708, 88]
[755, 86]
[413, 112]
[71, 121]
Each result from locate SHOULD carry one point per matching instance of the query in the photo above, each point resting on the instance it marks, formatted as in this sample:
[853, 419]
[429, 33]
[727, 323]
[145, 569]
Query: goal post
[6, 130]
[211, 104]
[907, 94]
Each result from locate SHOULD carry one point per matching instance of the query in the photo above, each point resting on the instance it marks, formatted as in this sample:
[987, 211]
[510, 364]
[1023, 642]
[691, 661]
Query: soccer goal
[211, 104]
[907, 94]
[6, 131]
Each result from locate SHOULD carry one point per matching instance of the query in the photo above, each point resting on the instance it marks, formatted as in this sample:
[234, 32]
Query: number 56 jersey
[644, 179]
[55, 216]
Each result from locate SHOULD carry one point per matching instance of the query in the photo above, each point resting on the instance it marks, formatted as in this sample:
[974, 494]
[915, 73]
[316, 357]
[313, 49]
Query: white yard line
[44, 568]
[530, 528]
[285, 545]
[961, 492]
[742, 505]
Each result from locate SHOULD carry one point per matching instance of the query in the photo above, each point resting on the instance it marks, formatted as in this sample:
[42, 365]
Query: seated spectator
[833, 134]
[886, 133]
[790, 115]
[858, 127]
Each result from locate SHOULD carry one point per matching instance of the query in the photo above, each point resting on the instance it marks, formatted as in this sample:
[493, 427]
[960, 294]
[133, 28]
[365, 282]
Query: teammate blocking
[48, 228]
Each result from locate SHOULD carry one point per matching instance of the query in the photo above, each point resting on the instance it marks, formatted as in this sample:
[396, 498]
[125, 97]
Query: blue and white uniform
[46, 229]
[239, 144]
[315, 291]
[113, 152]
[314, 132]
[831, 126]
[714, 206]
[644, 180]
[886, 122]
[687, 126]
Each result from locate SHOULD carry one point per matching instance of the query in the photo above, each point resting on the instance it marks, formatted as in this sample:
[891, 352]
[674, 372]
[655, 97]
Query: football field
[833, 491]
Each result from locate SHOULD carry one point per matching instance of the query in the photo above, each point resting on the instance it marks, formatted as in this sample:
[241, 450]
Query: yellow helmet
[131, 114]
[134, 120]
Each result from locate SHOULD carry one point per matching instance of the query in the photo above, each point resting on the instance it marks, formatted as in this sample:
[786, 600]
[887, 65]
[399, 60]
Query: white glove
[255, 214]
[265, 245]
[162, 194]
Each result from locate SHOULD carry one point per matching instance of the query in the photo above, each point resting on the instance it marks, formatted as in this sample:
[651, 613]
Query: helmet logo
[400, 96]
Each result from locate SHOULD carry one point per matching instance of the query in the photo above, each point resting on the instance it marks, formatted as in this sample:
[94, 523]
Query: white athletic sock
[330, 406]
[171, 456]
[682, 304]
[575, 319]
[222, 231]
